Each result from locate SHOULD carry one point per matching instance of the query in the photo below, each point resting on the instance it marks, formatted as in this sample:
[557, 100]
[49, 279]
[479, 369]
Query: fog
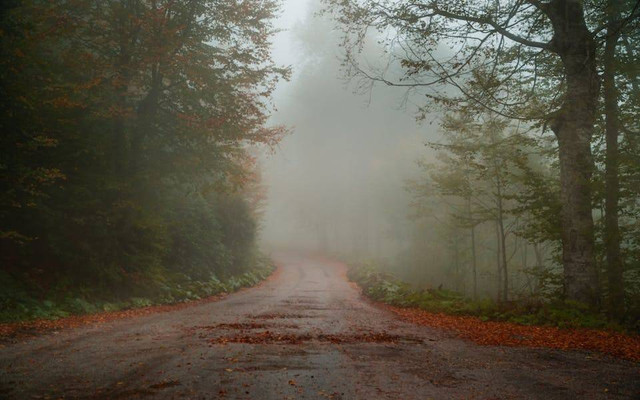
[337, 183]
[355, 178]
[213, 196]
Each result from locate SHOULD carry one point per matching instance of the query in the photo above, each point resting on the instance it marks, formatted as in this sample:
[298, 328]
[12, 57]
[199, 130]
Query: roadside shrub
[18, 304]
[385, 288]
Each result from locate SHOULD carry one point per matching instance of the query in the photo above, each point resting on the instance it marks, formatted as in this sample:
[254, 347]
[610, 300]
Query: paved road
[307, 334]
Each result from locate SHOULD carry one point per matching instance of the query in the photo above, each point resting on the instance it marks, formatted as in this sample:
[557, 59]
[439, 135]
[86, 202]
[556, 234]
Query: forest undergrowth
[556, 325]
[26, 301]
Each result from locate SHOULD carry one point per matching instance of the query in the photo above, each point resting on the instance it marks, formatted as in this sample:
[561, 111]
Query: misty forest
[311, 199]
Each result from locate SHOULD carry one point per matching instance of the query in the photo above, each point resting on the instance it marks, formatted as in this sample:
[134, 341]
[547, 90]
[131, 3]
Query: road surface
[306, 334]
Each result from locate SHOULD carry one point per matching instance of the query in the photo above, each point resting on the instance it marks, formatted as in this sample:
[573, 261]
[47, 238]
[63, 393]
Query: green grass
[20, 302]
[385, 288]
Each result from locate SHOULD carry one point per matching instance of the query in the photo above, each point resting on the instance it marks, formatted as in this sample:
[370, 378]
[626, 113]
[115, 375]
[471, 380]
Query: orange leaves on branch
[194, 121]
[48, 175]
[66, 102]
[271, 136]
[116, 111]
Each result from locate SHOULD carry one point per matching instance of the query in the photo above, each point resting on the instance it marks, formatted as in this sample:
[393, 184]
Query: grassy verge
[385, 288]
[19, 302]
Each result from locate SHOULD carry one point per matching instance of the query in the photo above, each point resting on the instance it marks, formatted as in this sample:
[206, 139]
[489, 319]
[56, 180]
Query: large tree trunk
[574, 126]
[615, 265]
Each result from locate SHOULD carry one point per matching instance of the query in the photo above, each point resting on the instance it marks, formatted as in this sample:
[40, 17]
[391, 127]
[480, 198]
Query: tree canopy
[127, 136]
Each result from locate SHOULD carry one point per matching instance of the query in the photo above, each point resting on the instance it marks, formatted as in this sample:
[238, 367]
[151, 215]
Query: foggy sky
[337, 183]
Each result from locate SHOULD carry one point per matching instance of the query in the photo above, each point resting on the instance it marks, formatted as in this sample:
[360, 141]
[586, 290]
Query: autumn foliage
[482, 324]
[492, 333]
[127, 133]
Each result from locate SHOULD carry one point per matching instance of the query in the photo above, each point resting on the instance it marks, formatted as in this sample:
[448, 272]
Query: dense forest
[320, 199]
[533, 195]
[128, 173]
[132, 134]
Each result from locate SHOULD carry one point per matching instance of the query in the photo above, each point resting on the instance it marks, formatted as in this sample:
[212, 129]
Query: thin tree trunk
[120, 140]
[147, 110]
[128, 35]
[503, 246]
[474, 261]
[539, 265]
[538, 253]
[615, 265]
[456, 262]
[525, 267]
[573, 125]
[499, 265]
[498, 167]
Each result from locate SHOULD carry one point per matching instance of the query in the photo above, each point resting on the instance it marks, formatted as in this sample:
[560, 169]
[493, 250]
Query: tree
[620, 97]
[483, 166]
[612, 185]
[512, 51]
[454, 177]
[127, 129]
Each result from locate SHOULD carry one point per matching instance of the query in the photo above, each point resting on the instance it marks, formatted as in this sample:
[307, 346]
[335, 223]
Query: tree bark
[615, 266]
[474, 261]
[503, 246]
[498, 259]
[539, 266]
[502, 237]
[574, 127]
[456, 265]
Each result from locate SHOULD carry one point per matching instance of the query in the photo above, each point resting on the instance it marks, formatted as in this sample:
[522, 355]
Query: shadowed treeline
[127, 169]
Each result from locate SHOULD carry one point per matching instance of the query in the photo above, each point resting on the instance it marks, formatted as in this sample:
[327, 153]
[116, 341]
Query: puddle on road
[301, 301]
[303, 307]
[265, 337]
[268, 337]
[280, 316]
[235, 325]
[239, 326]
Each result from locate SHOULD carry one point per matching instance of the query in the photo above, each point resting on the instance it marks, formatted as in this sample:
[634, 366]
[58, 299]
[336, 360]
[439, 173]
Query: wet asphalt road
[305, 334]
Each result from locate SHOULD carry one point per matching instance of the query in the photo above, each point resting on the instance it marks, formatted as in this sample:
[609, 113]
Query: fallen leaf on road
[164, 384]
[494, 333]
